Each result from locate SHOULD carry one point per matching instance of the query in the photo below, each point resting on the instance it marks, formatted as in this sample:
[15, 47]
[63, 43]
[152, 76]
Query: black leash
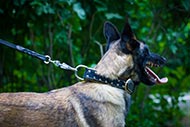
[24, 50]
[45, 58]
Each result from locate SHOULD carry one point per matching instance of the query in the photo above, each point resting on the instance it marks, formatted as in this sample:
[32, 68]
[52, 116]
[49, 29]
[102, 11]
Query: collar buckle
[129, 86]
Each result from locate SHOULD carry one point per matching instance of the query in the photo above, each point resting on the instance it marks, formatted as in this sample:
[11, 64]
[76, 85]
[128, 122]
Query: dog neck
[114, 63]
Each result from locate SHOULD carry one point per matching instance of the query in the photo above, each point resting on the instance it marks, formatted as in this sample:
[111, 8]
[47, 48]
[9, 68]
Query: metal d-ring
[77, 69]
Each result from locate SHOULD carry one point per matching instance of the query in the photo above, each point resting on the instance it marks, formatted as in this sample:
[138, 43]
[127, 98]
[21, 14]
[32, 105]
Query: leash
[89, 75]
[24, 50]
[45, 58]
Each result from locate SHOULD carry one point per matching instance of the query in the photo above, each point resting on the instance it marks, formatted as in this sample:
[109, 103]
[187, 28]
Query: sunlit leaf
[113, 15]
[79, 10]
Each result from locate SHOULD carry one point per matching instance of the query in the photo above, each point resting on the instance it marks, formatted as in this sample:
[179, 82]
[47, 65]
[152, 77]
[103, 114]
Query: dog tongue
[158, 80]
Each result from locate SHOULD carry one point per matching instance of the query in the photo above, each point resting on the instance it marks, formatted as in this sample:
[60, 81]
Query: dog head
[139, 58]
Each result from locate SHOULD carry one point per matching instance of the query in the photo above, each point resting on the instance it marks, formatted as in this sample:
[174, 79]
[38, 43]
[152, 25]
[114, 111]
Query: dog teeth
[156, 65]
[148, 63]
[152, 64]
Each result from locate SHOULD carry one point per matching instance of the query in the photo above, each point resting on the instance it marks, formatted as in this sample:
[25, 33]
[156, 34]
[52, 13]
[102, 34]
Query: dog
[101, 100]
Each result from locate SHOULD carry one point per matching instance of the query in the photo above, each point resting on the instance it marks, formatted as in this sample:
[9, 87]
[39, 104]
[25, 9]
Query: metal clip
[57, 63]
[65, 66]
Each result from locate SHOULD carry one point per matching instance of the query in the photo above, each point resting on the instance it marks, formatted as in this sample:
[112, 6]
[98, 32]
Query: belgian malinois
[101, 100]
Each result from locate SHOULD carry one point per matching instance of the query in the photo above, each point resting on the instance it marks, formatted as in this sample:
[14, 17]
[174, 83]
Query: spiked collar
[91, 75]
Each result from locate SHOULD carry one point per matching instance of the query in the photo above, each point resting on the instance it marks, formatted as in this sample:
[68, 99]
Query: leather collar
[91, 75]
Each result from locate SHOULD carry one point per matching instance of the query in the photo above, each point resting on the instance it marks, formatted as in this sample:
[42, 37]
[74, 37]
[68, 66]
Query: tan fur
[42, 110]
[115, 62]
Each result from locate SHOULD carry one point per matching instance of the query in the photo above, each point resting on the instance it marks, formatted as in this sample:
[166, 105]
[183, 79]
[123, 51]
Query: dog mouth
[152, 76]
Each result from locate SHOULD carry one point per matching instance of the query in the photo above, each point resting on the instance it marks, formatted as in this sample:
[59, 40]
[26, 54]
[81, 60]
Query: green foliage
[67, 30]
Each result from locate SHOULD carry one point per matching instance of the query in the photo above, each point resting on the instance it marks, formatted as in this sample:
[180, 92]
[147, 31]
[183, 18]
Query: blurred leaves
[42, 7]
[67, 30]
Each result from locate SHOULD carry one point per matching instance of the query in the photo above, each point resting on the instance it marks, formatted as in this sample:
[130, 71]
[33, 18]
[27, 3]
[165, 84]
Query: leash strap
[24, 50]
[91, 75]
[45, 58]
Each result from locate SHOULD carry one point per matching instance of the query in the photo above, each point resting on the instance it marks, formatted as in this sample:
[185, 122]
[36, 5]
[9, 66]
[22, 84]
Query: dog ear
[111, 33]
[128, 39]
